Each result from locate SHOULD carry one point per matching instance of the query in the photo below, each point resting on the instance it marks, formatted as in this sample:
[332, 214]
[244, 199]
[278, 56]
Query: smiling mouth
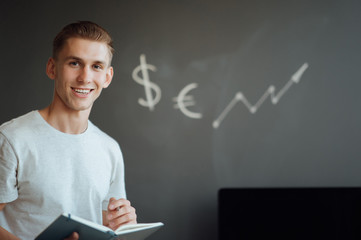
[82, 90]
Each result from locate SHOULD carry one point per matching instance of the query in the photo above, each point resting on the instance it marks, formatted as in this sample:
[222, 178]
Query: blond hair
[85, 30]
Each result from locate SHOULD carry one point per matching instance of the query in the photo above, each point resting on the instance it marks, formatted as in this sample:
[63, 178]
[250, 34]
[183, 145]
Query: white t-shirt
[44, 172]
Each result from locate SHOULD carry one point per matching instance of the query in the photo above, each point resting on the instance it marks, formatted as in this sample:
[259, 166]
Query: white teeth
[83, 91]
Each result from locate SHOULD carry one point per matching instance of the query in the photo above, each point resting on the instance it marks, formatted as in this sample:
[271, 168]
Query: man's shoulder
[19, 124]
[102, 135]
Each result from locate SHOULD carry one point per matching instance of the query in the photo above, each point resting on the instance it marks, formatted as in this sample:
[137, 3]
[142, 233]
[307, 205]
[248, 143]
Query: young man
[55, 160]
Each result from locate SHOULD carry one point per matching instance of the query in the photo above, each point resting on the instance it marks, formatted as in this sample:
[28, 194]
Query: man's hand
[73, 236]
[119, 212]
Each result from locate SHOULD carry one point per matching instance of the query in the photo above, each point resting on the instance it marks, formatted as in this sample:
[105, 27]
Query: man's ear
[50, 68]
[109, 77]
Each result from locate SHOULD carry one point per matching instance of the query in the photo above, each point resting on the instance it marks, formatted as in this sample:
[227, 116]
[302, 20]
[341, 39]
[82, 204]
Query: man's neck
[66, 121]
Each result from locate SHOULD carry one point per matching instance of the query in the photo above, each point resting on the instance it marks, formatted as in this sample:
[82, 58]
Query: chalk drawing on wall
[270, 92]
[149, 86]
[183, 101]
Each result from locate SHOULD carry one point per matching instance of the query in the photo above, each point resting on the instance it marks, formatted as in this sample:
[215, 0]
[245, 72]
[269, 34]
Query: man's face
[80, 71]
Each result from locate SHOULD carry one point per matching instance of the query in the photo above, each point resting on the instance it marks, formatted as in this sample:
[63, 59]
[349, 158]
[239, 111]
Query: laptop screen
[289, 213]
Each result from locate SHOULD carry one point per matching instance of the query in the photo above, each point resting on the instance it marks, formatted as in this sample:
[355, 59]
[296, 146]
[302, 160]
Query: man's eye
[74, 64]
[98, 67]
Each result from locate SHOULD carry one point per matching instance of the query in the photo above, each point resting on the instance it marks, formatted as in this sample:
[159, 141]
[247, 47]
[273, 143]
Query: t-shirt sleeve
[117, 184]
[8, 170]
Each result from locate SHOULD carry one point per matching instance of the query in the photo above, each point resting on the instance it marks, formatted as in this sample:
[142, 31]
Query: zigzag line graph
[270, 92]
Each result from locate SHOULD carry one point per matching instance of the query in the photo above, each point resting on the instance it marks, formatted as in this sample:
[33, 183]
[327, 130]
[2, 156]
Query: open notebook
[66, 224]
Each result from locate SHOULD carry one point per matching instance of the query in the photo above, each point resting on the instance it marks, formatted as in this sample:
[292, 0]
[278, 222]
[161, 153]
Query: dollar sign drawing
[150, 102]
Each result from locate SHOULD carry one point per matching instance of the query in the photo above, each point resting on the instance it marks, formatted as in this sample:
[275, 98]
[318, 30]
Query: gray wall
[175, 164]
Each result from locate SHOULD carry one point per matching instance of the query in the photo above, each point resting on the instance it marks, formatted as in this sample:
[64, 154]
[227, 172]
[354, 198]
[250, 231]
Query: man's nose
[85, 75]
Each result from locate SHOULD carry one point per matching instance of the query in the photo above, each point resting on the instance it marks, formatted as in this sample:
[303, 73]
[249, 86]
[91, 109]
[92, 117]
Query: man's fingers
[117, 204]
[73, 236]
[112, 204]
[124, 219]
[120, 212]
[123, 210]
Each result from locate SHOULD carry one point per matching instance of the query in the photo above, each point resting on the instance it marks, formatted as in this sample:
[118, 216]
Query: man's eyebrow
[101, 62]
[73, 58]
[81, 60]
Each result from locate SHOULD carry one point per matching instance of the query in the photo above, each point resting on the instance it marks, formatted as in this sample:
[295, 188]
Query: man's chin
[81, 108]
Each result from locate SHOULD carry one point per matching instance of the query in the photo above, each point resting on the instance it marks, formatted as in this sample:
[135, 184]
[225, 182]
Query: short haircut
[85, 30]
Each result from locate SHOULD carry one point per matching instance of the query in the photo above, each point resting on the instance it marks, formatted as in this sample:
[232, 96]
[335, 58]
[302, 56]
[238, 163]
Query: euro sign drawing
[149, 86]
